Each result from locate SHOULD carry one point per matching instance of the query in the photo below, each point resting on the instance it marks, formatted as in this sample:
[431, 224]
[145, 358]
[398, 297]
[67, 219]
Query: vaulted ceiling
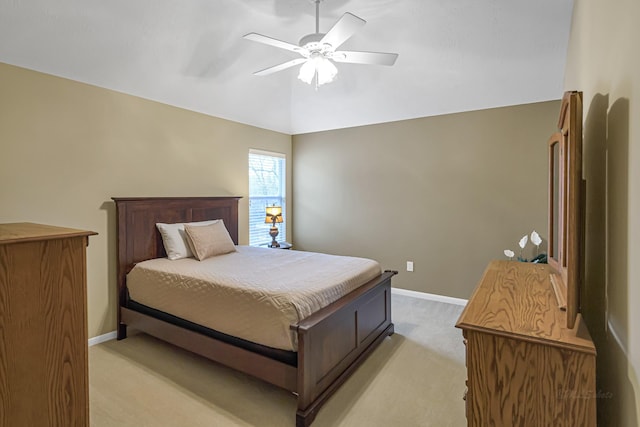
[454, 55]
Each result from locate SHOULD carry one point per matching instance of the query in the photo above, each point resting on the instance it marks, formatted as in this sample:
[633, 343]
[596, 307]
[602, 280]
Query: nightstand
[283, 245]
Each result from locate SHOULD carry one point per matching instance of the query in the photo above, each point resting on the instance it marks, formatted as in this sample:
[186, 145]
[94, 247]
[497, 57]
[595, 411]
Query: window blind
[267, 184]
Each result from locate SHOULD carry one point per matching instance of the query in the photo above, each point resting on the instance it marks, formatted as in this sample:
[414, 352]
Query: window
[267, 183]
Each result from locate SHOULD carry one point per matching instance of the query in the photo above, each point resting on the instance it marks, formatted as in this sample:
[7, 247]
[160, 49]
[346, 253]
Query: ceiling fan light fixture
[326, 72]
[307, 71]
[319, 67]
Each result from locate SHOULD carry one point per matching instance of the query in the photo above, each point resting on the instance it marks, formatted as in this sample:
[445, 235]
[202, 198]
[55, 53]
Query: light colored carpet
[415, 378]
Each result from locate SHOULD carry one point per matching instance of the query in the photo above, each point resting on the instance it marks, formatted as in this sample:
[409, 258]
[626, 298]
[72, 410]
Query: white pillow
[174, 238]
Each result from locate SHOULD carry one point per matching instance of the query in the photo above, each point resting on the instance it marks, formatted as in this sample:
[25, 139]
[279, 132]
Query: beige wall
[67, 148]
[603, 62]
[449, 193]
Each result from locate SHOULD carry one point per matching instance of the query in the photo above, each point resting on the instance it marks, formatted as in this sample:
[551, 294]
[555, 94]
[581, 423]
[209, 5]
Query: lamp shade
[273, 212]
[307, 72]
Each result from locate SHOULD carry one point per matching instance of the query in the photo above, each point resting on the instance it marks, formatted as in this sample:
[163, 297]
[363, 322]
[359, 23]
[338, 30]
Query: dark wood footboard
[334, 341]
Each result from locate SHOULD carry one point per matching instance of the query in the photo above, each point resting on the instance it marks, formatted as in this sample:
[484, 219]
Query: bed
[329, 344]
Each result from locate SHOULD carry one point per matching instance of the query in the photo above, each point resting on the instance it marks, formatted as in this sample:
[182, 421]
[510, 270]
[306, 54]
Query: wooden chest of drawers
[43, 326]
[524, 366]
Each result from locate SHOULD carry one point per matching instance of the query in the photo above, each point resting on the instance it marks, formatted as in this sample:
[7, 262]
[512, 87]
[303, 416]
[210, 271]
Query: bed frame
[332, 342]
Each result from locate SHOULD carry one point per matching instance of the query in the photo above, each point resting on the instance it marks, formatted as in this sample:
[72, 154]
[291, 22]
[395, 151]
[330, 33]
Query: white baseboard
[431, 297]
[102, 338]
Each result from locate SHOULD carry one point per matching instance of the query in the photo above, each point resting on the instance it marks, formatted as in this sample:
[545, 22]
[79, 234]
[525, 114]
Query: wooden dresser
[524, 366]
[43, 326]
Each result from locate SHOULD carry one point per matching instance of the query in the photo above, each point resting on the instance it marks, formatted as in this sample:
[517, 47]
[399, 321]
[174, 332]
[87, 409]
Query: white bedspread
[254, 293]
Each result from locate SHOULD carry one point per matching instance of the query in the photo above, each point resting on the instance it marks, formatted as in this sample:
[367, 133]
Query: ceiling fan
[318, 50]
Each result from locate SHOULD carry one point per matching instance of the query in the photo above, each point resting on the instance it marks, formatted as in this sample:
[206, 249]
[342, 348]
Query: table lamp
[274, 215]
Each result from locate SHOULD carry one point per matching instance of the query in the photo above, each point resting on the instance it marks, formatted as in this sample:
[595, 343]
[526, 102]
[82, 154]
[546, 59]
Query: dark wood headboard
[138, 238]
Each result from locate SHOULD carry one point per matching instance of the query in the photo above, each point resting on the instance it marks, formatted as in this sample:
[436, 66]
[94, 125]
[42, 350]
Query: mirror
[564, 218]
[554, 211]
[557, 209]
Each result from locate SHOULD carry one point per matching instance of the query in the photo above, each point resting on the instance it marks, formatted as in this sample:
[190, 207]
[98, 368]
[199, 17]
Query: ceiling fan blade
[272, 42]
[346, 26]
[374, 58]
[280, 67]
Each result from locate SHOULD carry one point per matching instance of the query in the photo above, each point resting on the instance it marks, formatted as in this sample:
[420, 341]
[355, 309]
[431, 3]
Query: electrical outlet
[409, 265]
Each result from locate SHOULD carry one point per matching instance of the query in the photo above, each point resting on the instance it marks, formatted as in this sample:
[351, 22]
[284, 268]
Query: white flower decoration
[523, 241]
[535, 238]
[509, 253]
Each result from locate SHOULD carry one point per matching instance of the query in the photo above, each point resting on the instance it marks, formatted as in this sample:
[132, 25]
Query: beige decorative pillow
[174, 238]
[209, 240]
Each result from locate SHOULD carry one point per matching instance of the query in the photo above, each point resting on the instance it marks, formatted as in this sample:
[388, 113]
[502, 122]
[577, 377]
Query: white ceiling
[454, 55]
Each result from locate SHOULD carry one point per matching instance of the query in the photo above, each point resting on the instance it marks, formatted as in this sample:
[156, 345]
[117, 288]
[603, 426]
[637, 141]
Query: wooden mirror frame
[565, 188]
